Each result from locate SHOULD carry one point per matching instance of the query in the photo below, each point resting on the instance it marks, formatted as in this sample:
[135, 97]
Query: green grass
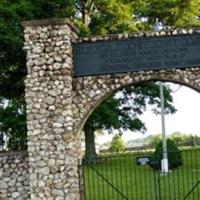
[141, 182]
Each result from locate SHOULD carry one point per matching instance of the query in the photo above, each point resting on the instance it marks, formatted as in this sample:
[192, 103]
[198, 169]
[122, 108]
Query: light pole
[164, 162]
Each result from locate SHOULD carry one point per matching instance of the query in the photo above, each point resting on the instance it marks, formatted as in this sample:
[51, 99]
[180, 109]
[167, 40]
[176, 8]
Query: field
[119, 177]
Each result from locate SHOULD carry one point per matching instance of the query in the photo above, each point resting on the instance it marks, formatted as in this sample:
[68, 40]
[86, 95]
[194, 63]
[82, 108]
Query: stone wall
[14, 176]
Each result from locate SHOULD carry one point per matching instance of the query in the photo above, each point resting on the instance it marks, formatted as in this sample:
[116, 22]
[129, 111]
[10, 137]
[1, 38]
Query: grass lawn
[119, 177]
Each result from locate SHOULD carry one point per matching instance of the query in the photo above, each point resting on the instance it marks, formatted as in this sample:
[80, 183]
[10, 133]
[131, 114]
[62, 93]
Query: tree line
[117, 145]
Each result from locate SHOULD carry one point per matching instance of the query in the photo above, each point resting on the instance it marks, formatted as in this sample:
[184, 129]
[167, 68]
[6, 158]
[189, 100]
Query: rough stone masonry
[14, 176]
[52, 144]
[59, 104]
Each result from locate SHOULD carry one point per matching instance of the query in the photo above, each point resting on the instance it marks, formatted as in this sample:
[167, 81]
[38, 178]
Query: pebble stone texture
[14, 176]
[59, 104]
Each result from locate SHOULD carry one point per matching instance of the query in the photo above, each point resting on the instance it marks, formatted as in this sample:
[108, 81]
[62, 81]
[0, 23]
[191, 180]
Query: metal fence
[129, 176]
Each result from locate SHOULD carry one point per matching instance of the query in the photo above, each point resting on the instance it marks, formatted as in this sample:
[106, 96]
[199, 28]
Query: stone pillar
[52, 146]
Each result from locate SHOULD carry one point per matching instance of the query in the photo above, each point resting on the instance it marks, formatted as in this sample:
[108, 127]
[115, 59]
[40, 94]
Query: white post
[164, 161]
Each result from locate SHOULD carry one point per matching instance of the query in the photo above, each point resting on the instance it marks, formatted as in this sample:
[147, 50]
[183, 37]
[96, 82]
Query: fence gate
[130, 177]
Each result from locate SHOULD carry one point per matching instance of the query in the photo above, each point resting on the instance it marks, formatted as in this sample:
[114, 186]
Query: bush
[117, 145]
[175, 159]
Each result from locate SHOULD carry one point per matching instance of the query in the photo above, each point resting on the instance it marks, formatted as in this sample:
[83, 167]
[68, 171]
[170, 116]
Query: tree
[121, 112]
[173, 13]
[117, 145]
[12, 72]
[191, 140]
[101, 17]
[178, 137]
[185, 139]
[2, 141]
[13, 122]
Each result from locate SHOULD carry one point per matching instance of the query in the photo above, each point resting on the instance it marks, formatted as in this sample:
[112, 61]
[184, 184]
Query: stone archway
[93, 90]
[58, 103]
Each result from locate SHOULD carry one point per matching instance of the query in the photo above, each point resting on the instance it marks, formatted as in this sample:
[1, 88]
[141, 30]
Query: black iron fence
[132, 177]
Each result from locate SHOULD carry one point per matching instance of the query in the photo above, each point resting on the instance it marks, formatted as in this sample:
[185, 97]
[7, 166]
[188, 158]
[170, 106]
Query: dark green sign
[136, 54]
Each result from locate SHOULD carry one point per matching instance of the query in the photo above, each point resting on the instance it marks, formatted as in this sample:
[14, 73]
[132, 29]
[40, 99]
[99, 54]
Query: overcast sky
[186, 119]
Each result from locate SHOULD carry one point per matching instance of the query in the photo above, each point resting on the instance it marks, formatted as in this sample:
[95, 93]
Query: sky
[185, 120]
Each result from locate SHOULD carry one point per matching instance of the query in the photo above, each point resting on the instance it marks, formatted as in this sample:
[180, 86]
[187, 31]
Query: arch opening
[107, 161]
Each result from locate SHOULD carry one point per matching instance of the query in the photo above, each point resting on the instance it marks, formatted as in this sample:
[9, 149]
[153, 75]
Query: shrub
[175, 159]
[117, 144]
